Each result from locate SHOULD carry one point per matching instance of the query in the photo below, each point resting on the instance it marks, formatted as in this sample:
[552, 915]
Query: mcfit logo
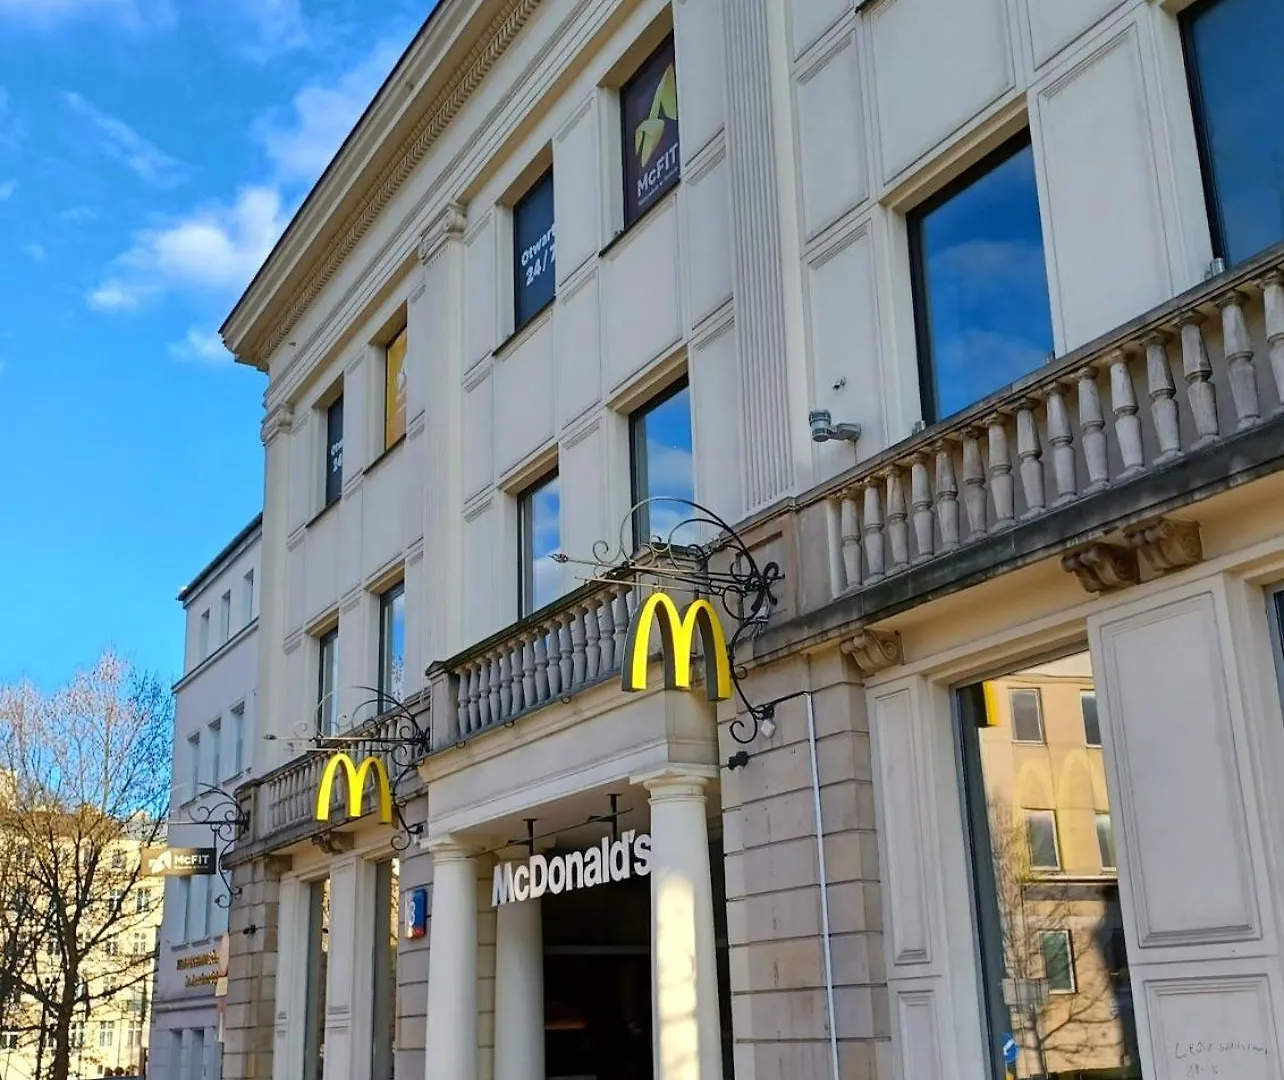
[677, 633]
[356, 778]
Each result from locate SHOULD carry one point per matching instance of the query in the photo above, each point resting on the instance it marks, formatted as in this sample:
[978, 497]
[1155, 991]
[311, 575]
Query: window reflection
[392, 645]
[663, 465]
[1054, 957]
[318, 958]
[981, 287]
[540, 537]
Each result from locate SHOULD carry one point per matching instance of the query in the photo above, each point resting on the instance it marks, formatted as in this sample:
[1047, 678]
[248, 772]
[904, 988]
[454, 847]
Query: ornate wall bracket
[1166, 544]
[1157, 547]
[875, 650]
[1102, 567]
[228, 821]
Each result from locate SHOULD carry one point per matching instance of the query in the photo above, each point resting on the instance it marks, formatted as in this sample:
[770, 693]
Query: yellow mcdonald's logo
[677, 633]
[356, 778]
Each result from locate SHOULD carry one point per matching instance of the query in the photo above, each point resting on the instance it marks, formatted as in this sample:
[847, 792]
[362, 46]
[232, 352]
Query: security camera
[823, 428]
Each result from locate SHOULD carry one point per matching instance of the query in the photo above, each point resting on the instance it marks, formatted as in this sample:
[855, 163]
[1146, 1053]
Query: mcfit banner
[356, 783]
[649, 104]
[677, 634]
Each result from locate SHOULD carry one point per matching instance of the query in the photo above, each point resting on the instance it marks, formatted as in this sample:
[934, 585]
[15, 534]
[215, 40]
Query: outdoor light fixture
[823, 428]
[767, 727]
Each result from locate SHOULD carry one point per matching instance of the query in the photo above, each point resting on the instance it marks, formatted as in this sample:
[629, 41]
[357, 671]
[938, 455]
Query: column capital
[449, 848]
[676, 781]
[276, 420]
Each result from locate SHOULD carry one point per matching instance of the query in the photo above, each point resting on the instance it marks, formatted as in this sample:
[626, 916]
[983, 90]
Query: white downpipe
[824, 887]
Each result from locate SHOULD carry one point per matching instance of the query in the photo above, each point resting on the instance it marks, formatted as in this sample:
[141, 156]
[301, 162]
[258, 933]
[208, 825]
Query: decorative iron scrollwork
[222, 815]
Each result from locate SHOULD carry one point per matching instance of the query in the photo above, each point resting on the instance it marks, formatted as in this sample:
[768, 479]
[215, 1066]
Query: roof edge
[224, 556]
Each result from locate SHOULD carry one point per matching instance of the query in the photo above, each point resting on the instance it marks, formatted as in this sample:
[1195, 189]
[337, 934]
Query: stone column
[272, 715]
[686, 1032]
[452, 964]
[519, 992]
[189, 1069]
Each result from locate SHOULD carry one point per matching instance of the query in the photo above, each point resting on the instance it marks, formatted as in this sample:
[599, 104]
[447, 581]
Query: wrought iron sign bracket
[224, 817]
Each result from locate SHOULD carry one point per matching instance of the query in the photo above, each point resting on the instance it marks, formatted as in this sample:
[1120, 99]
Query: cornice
[490, 46]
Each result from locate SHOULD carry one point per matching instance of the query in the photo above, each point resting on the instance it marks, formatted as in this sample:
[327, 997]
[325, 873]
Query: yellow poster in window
[394, 390]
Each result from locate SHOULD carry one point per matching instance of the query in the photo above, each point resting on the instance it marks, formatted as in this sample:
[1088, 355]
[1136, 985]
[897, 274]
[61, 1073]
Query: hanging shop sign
[356, 780]
[180, 861]
[677, 634]
[618, 860]
[417, 913]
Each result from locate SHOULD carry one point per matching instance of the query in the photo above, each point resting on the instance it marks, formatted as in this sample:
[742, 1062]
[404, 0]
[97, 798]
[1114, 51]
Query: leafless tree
[84, 783]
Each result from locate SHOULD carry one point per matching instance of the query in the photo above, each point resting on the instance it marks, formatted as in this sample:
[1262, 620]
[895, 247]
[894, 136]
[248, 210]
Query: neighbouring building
[966, 319]
[214, 731]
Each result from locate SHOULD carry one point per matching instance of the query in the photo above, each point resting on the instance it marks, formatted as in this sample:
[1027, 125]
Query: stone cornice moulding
[449, 224]
[492, 44]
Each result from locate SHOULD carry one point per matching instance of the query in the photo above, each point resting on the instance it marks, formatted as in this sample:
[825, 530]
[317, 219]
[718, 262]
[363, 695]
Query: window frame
[1199, 115]
[327, 411]
[387, 599]
[526, 538]
[669, 41]
[1083, 695]
[1050, 815]
[402, 335]
[1068, 938]
[1113, 865]
[225, 617]
[1042, 740]
[194, 764]
[237, 712]
[1275, 621]
[203, 636]
[247, 597]
[327, 658]
[522, 320]
[637, 453]
[215, 730]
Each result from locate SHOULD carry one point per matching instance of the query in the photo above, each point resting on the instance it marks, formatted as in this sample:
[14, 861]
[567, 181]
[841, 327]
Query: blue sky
[151, 151]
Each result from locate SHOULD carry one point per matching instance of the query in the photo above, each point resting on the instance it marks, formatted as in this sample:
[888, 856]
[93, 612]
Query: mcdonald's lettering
[677, 633]
[356, 778]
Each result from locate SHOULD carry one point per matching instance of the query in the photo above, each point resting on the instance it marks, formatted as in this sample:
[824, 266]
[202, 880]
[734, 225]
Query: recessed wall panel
[708, 233]
[581, 466]
[478, 433]
[524, 397]
[479, 291]
[1056, 23]
[698, 41]
[830, 137]
[575, 190]
[716, 426]
[809, 19]
[1213, 1027]
[576, 333]
[641, 309]
[480, 528]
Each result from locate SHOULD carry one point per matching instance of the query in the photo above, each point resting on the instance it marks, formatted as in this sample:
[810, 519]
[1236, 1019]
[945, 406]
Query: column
[519, 992]
[270, 705]
[189, 1069]
[686, 1034]
[452, 964]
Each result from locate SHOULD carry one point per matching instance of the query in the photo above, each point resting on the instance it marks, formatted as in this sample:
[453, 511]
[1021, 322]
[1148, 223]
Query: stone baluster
[564, 647]
[621, 623]
[462, 722]
[974, 483]
[505, 684]
[496, 689]
[874, 541]
[1123, 402]
[1273, 297]
[1030, 454]
[1092, 422]
[529, 698]
[1199, 375]
[1001, 483]
[577, 648]
[1163, 393]
[921, 500]
[606, 616]
[1061, 439]
[592, 639]
[897, 518]
[947, 497]
[1238, 347]
[519, 677]
[542, 688]
[850, 540]
[483, 694]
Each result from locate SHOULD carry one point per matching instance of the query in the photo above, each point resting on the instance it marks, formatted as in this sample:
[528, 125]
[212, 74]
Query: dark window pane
[1057, 966]
[649, 112]
[1041, 832]
[981, 287]
[334, 451]
[539, 523]
[1106, 841]
[1091, 725]
[534, 251]
[663, 466]
[392, 645]
[1027, 724]
[327, 681]
[1234, 50]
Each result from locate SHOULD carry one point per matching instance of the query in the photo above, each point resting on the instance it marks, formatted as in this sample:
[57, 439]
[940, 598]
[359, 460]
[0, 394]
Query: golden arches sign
[677, 636]
[356, 778]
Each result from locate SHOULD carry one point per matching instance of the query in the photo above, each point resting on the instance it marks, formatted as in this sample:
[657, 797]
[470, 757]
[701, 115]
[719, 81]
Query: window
[534, 252]
[237, 764]
[317, 960]
[1041, 836]
[1027, 715]
[76, 1034]
[1106, 841]
[116, 899]
[203, 645]
[106, 1034]
[980, 284]
[118, 860]
[327, 681]
[194, 765]
[392, 644]
[197, 1067]
[386, 930]
[51, 947]
[225, 617]
[184, 907]
[142, 900]
[8, 1040]
[394, 390]
[1237, 85]
[1058, 961]
[662, 465]
[539, 536]
[134, 1035]
[334, 450]
[139, 944]
[215, 740]
[649, 114]
[247, 598]
[113, 946]
[1091, 725]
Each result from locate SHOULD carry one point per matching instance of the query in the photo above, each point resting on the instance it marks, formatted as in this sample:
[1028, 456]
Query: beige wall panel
[479, 435]
[1217, 1027]
[1108, 255]
[384, 507]
[716, 425]
[321, 555]
[305, 469]
[578, 348]
[808, 19]
[937, 63]
[831, 137]
[576, 177]
[919, 1040]
[298, 670]
[349, 514]
[706, 204]
[1056, 23]
[641, 308]
[479, 291]
[698, 40]
[296, 577]
[581, 464]
[524, 397]
[480, 548]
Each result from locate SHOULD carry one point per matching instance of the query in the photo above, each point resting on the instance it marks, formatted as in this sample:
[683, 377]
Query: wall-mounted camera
[823, 428]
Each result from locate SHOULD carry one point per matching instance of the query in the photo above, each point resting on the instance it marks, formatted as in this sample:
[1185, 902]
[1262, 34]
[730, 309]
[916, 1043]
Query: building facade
[962, 323]
[214, 732]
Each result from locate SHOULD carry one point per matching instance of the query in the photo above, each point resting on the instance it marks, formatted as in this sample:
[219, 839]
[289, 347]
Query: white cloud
[7, 189]
[116, 295]
[77, 213]
[276, 26]
[36, 251]
[122, 142]
[201, 346]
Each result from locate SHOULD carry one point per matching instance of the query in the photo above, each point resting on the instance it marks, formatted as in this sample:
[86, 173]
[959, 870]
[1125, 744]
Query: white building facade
[214, 732]
[968, 316]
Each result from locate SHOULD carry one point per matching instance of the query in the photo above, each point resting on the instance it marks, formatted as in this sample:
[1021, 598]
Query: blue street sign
[1009, 1049]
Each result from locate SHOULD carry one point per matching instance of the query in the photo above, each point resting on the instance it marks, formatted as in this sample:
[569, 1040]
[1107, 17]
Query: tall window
[247, 598]
[1041, 839]
[1106, 841]
[106, 1034]
[1091, 723]
[317, 960]
[394, 390]
[1058, 960]
[662, 465]
[216, 750]
[539, 535]
[237, 764]
[385, 933]
[134, 1035]
[392, 644]
[193, 765]
[334, 450]
[142, 900]
[138, 945]
[1233, 50]
[649, 115]
[203, 637]
[1027, 715]
[980, 284]
[225, 617]
[327, 682]
[534, 252]
[77, 1034]
[9, 1040]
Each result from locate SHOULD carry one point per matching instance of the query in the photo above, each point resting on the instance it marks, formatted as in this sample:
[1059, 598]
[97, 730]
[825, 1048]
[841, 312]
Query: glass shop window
[534, 252]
